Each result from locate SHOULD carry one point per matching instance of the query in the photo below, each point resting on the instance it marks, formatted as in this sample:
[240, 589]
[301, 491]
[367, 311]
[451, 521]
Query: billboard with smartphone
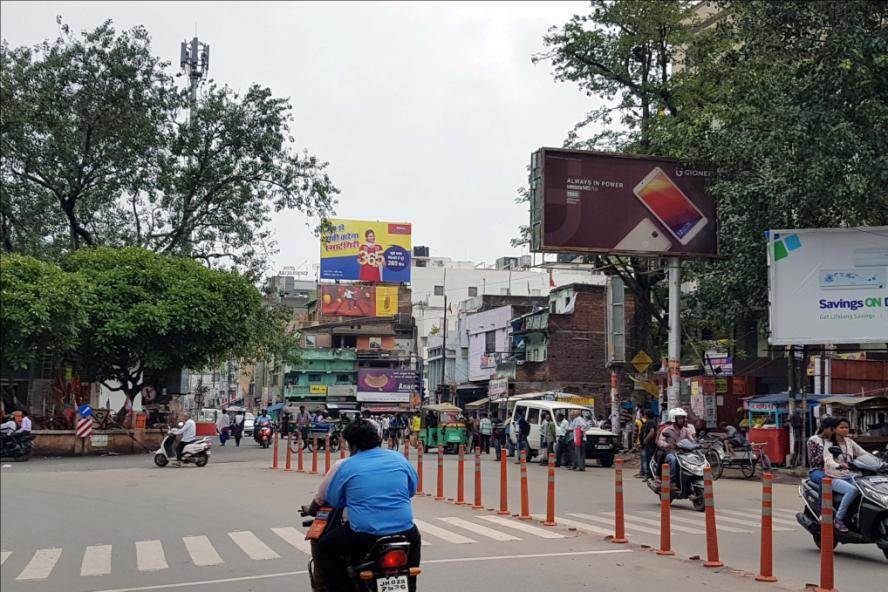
[828, 285]
[586, 201]
[366, 251]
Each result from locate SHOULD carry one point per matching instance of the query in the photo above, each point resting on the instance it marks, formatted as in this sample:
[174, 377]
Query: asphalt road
[119, 523]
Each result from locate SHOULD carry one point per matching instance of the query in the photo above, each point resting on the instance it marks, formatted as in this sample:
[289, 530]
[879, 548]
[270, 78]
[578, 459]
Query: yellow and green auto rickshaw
[442, 424]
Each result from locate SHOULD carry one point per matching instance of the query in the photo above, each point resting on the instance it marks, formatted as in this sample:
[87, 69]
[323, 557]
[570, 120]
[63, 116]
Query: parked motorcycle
[382, 569]
[17, 447]
[197, 452]
[691, 462]
[867, 520]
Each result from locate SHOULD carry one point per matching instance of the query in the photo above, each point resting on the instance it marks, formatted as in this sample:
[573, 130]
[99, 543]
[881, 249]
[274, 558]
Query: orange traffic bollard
[827, 575]
[289, 466]
[419, 490]
[766, 568]
[477, 505]
[440, 494]
[712, 559]
[300, 468]
[619, 518]
[460, 479]
[314, 454]
[326, 454]
[274, 463]
[665, 526]
[504, 493]
[550, 494]
[525, 501]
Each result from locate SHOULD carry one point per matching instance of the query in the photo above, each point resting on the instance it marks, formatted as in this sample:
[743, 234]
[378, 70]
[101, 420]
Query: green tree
[96, 138]
[43, 311]
[154, 312]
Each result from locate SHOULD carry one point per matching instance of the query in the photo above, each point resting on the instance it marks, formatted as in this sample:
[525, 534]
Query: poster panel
[366, 251]
[350, 300]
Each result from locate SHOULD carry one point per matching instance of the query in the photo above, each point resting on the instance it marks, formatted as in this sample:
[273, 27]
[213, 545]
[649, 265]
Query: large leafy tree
[96, 138]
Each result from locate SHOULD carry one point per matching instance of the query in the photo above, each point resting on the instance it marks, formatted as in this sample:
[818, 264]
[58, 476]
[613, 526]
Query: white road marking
[4, 555]
[523, 527]
[610, 521]
[560, 520]
[478, 529]
[252, 546]
[149, 556]
[202, 551]
[774, 520]
[294, 537]
[441, 533]
[648, 521]
[289, 574]
[96, 561]
[753, 524]
[41, 565]
[719, 522]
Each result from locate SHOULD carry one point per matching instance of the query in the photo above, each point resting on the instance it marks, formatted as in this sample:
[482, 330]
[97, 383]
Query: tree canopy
[95, 137]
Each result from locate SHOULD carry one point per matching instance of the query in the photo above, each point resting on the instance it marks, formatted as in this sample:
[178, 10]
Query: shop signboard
[497, 388]
[317, 389]
[350, 300]
[366, 251]
[828, 285]
[598, 202]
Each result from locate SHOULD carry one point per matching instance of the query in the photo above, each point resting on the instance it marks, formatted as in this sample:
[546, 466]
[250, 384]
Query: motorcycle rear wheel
[202, 459]
[161, 460]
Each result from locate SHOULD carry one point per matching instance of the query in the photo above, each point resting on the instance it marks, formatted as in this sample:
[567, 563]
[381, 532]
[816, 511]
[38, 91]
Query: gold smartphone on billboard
[670, 205]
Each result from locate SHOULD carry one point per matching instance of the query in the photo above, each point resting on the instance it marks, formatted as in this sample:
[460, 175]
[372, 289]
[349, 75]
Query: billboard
[386, 380]
[349, 300]
[828, 285]
[600, 202]
[366, 251]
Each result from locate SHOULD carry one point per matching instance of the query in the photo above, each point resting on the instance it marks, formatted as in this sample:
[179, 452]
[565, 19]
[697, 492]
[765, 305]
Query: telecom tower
[195, 61]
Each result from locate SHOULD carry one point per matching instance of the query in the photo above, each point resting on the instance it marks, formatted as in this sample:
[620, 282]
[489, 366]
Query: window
[490, 342]
[533, 416]
[343, 378]
[536, 292]
[314, 377]
[465, 353]
[439, 290]
[311, 340]
[473, 291]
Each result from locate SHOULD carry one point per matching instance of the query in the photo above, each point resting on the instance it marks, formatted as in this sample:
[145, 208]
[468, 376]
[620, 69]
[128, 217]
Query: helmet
[676, 413]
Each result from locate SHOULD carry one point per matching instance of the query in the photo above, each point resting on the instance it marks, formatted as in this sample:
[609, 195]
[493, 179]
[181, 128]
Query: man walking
[563, 441]
[648, 444]
[237, 430]
[548, 433]
[523, 428]
[578, 427]
[223, 426]
[303, 424]
[485, 426]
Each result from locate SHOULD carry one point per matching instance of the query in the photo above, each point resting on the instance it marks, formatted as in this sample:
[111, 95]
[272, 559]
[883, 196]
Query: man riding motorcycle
[260, 422]
[676, 430]
[374, 486]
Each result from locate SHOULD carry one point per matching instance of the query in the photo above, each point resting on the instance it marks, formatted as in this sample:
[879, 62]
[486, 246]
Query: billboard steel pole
[674, 332]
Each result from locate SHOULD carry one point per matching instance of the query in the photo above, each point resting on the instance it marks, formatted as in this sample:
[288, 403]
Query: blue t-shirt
[376, 486]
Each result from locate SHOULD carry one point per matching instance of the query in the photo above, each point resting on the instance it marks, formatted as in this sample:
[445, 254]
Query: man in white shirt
[223, 425]
[187, 434]
[485, 426]
[562, 427]
[25, 428]
[366, 415]
[578, 428]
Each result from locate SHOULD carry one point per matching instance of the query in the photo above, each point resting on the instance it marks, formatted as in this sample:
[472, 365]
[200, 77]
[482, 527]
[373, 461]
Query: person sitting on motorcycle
[818, 447]
[374, 486]
[676, 430]
[838, 469]
[187, 433]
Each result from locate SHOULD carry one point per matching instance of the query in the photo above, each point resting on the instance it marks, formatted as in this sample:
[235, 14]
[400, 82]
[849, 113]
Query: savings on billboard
[366, 251]
[358, 300]
[828, 285]
[587, 201]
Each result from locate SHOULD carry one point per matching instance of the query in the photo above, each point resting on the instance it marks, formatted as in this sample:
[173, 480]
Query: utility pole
[194, 59]
[673, 394]
[444, 342]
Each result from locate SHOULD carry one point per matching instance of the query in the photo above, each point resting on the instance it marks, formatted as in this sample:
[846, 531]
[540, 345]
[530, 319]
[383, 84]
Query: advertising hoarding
[828, 285]
[348, 300]
[358, 250]
[586, 201]
[386, 380]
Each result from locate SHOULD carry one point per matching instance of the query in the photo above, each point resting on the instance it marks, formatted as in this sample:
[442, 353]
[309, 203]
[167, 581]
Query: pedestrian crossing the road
[202, 551]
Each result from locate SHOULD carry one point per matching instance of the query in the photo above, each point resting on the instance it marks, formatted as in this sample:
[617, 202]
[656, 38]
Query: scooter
[868, 518]
[263, 436]
[691, 462]
[382, 569]
[17, 446]
[197, 452]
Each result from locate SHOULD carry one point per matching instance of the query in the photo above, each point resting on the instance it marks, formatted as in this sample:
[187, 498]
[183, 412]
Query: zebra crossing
[98, 560]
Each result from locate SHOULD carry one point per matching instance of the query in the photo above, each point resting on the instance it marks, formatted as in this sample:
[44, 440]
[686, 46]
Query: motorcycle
[868, 518]
[17, 447]
[263, 436]
[381, 569]
[691, 462]
[197, 452]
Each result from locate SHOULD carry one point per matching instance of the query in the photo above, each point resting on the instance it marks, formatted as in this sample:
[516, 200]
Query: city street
[119, 523]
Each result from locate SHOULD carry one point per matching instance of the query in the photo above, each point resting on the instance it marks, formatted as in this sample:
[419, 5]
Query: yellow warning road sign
[641, 361]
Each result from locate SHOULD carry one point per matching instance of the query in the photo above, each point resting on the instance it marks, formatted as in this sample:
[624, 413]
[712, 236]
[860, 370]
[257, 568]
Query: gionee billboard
[366, 251]
[585, 201]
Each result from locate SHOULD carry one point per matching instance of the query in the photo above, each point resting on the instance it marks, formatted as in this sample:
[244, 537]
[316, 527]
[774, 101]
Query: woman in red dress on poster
[371, 259]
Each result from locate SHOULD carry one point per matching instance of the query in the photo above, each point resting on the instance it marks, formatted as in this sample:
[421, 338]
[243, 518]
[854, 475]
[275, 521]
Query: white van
[600, 444]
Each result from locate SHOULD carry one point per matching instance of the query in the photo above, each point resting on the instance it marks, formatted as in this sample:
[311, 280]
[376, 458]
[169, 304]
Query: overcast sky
[426, 112]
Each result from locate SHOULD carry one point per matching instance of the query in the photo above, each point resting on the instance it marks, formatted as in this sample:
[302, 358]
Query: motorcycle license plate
[392, 584]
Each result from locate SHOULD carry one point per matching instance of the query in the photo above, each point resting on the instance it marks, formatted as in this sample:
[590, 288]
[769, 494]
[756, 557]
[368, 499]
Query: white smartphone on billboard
[670, 205]
[645, 237]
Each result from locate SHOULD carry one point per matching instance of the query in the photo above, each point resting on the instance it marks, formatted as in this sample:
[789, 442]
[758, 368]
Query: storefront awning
[478, 404]
[275, 407]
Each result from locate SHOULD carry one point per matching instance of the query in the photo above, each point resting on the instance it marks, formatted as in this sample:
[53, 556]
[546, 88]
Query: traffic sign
[85, 410]
[641, 361]
[651, 388]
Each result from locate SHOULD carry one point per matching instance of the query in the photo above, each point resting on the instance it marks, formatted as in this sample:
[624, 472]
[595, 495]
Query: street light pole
[672, 398]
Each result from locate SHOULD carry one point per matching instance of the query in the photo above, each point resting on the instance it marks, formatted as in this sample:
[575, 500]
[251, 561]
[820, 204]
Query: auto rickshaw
[450, 430]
